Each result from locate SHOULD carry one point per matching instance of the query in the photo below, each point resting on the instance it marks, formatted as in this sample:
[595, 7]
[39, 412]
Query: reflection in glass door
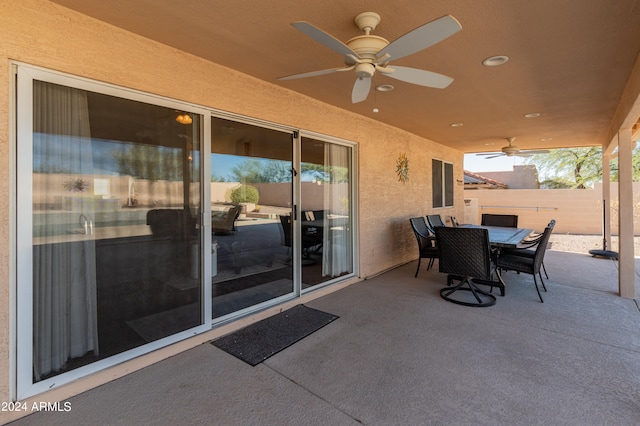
[113, 233]
[326, 211]
[251, 207]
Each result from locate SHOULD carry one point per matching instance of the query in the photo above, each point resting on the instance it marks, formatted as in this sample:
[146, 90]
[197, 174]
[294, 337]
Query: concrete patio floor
[401, 355]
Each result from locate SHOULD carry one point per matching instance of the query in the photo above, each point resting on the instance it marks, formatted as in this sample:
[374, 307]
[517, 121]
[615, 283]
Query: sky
[475, 163]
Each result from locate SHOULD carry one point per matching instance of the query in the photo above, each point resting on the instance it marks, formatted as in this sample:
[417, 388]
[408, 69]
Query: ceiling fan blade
[495, 156]
[422, 37]
[419, 77]
[360, 90]
[488, 153]
[323, 38]
[313, 73]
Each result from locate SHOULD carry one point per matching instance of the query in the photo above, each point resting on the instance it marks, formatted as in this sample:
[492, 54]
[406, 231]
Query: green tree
[320, 172]
[149, 162]
[245, 194]
[573, 168]
[261, 171]
[578, 168]
[635, 164]
[313, 171]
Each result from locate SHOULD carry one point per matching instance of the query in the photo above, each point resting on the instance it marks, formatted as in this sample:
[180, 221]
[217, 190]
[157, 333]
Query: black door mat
[257, 342]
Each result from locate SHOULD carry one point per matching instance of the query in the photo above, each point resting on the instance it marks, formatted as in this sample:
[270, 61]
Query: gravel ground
[584, 243]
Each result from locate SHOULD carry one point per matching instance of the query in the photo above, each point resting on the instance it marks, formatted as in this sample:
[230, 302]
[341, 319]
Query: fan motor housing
[367, 46]
[510, 150]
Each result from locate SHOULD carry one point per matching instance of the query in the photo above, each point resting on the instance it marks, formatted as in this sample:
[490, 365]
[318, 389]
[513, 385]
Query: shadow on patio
[399, 354]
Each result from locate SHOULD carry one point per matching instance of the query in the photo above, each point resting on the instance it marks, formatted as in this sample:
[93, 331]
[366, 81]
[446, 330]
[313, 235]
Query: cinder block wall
[576, 211]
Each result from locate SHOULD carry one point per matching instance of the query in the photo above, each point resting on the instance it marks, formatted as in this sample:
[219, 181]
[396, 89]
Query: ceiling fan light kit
[495, 61]
[366, 54]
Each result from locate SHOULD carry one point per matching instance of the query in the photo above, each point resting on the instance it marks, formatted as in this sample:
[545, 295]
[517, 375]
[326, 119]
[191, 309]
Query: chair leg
[545, 271]
[419, 260]
[492, 283]
[502, 284]
[430, 265]
[473, 289]
[535, 281]
[445, 293]
[542, 281]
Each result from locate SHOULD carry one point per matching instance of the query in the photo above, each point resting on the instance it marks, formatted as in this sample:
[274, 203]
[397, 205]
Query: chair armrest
[427, 241]
[426, 237]
[530, 242]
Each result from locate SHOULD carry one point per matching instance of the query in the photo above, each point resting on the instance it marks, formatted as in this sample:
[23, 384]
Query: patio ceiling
[569, 61]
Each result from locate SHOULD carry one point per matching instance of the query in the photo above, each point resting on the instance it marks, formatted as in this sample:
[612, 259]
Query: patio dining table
[334, 222]
[503, 237]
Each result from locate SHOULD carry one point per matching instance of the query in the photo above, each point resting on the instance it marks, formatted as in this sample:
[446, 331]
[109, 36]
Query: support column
[606, 197]
[626, 275]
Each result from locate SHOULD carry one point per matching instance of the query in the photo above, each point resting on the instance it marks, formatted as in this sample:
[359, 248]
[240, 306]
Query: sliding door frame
[26, 74]
[21, 133]
[353, 190]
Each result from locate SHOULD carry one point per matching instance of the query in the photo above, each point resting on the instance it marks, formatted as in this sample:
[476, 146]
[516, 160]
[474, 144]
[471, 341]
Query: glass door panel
[251, 205]
[115, 234]
[326, 218]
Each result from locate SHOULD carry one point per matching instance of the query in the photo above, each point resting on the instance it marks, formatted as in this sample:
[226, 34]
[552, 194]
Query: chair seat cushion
[519, 252]
[429, 252]
[515, 263]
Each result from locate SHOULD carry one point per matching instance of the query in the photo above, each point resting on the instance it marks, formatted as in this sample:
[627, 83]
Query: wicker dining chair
[506, 220]
[426, 242]
[435, 220]
[528, 265]
[465, 254]
[528, 247]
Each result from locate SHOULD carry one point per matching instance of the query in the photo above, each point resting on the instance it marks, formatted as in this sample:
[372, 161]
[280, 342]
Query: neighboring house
[521, 177]
[476, 181]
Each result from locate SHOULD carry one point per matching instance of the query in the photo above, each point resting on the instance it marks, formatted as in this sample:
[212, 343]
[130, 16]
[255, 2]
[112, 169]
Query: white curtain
[337, 244]
[64, 271]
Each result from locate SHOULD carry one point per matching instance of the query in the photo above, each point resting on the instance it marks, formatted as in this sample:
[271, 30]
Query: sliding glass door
[120, 248]
[326, 211]
[108, 225]
[251, 208]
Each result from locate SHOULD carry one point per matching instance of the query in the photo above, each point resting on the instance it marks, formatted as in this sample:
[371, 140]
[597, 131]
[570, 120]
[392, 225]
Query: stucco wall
[577, 211]
[44, 34]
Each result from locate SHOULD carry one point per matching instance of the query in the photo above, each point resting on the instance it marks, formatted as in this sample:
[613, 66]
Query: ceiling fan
[367, 53]
[512, 150]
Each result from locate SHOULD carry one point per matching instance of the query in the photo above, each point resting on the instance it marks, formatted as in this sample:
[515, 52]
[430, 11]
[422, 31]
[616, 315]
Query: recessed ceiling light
[494, 61]
[376, 110]
[546, 139]
[384, 88]
[532, 115]
[456, 124]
